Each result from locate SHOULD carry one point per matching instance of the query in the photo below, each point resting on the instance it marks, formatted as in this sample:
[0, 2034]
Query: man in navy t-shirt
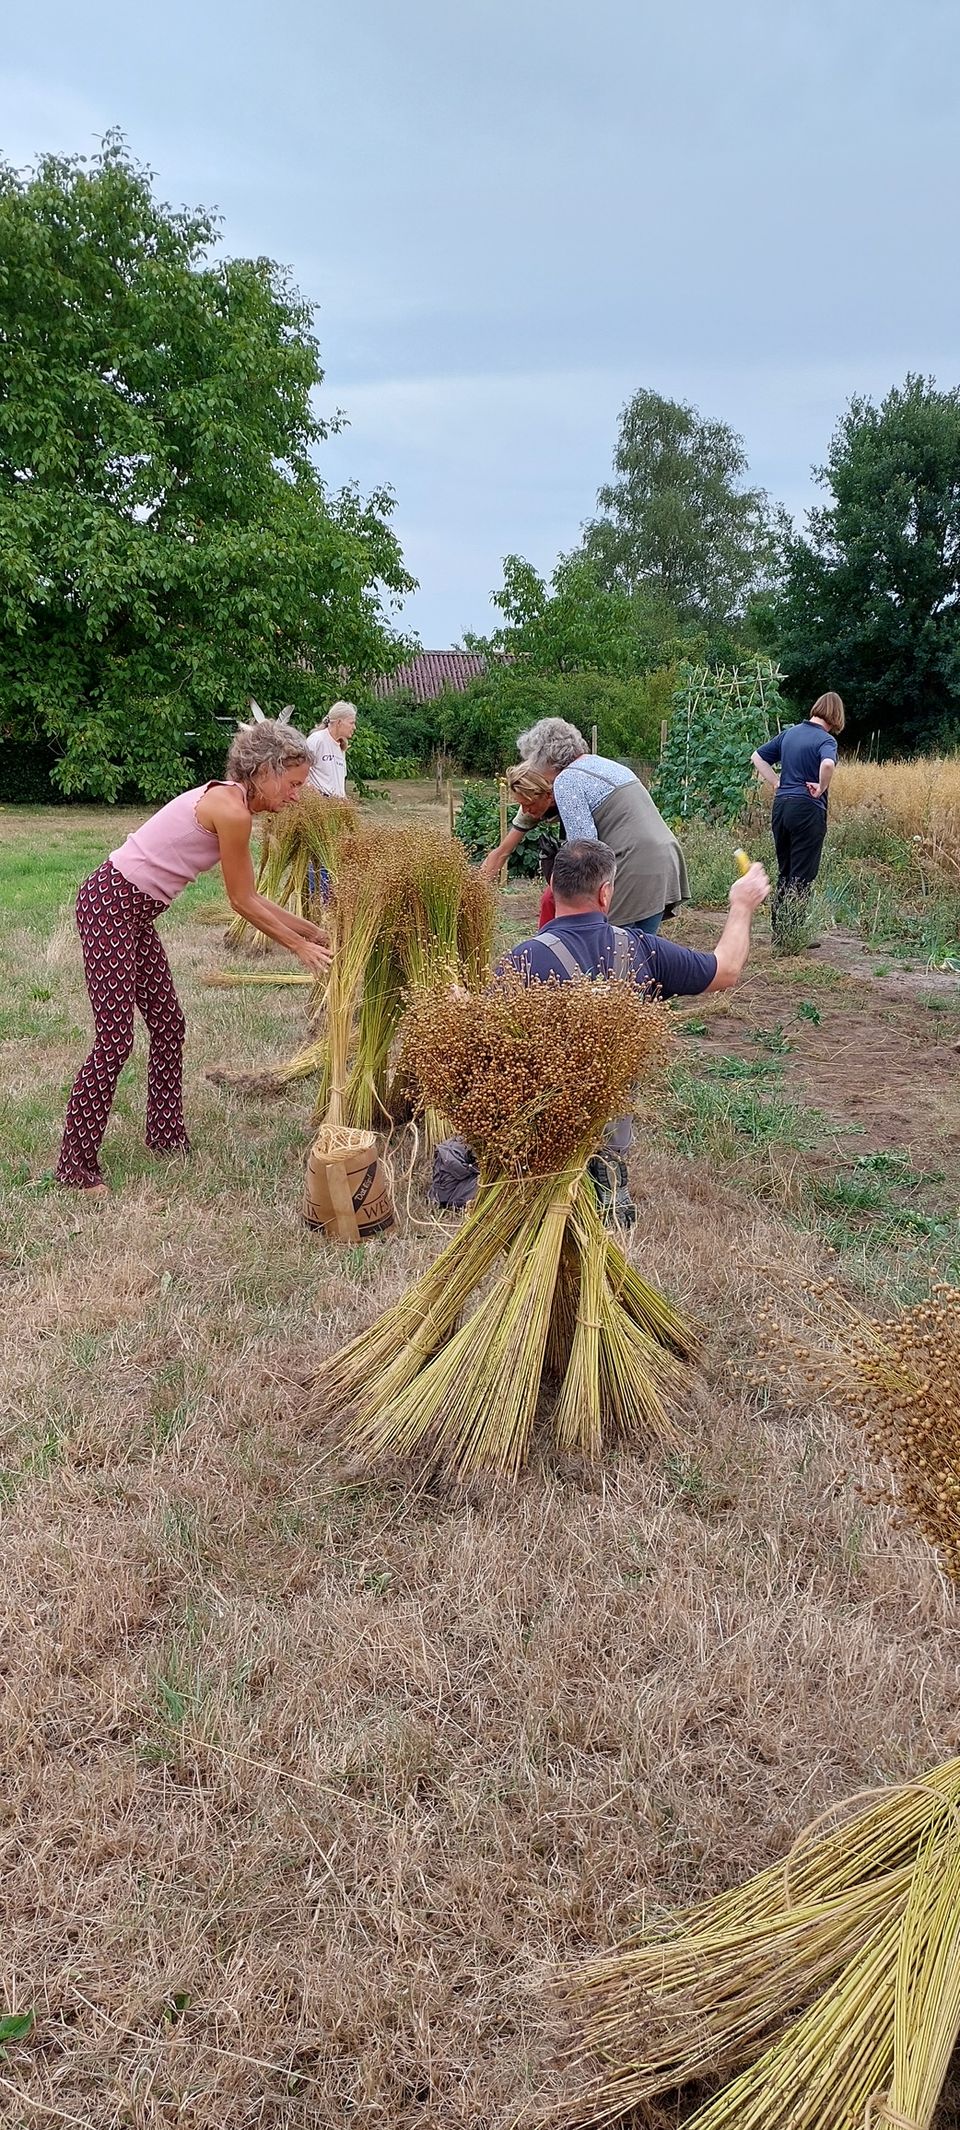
[581, 942]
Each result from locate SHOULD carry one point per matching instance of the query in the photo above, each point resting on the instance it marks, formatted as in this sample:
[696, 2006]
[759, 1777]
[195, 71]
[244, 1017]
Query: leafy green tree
[676, 522]
[576, 623]
[569, 647]
[167, 546]
[872, 599]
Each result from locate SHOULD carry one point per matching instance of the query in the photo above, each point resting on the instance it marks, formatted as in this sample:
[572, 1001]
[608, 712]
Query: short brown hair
[830, 709]
[581, 869]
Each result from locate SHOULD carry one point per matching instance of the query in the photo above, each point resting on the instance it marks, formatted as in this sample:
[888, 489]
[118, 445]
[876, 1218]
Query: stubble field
[312, 1784]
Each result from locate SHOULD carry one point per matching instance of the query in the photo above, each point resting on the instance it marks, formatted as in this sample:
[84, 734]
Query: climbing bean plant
[718, 718]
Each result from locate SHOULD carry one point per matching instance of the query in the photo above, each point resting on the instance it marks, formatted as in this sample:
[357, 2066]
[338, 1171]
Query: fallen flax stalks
[858, 1934]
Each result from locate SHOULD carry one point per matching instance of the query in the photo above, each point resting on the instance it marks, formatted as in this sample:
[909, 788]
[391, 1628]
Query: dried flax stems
[833, 1981]
[299, 839]
[529, 1075]
[406, 912]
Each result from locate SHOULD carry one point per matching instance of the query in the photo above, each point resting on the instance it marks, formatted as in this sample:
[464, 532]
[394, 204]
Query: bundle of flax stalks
[532, 1287]
[294, 843]
[407, 912]
[829, 1985]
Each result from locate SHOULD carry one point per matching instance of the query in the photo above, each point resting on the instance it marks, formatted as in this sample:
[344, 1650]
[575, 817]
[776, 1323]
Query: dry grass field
[310, 1784]
[918, 799]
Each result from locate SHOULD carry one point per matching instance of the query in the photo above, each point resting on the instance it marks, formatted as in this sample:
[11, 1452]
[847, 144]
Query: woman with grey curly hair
[124, 963]
[597, 801]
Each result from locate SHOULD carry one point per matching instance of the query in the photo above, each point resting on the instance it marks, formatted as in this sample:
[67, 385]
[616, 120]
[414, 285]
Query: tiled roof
[431, 671]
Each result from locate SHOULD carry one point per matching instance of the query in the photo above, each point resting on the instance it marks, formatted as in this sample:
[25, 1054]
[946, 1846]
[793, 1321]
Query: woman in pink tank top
[124, 963]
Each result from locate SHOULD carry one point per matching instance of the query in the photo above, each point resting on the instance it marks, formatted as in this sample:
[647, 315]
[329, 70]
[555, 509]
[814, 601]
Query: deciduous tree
[872, 599]
[167, 545]
[677, 522]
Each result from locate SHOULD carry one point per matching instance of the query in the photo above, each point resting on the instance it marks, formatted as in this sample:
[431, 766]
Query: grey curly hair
[551, 744]
[268, 744]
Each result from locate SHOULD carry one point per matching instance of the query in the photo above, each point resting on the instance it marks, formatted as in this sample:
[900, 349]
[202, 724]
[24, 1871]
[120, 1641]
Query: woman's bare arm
[232, 828]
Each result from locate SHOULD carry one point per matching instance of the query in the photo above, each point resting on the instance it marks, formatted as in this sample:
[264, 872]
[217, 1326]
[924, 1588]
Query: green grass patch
[720, 1120]
[730, 1067]
[888, 1240]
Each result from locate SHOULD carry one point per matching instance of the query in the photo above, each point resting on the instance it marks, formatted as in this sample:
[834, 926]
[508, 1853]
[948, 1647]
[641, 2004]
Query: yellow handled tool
[743, 863]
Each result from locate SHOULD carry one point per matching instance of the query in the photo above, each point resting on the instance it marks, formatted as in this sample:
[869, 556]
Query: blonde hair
[829, 709]
[526, 783]
[268, 744]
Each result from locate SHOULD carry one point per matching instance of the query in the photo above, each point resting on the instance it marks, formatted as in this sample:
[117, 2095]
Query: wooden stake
[501, 876]
[663, 737]
[451, 807]
[593, 739]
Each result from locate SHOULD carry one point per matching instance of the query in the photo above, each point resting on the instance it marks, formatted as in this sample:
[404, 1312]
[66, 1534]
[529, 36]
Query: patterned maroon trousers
[125, 966]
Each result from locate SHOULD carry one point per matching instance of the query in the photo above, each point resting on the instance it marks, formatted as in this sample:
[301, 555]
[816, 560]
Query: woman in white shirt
[328, 745]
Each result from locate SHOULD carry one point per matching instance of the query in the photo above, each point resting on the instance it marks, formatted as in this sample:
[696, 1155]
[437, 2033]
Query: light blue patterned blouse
[580, 791]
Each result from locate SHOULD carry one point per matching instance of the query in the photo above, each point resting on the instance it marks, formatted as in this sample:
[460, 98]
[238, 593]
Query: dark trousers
[799, 827]
[125, 967]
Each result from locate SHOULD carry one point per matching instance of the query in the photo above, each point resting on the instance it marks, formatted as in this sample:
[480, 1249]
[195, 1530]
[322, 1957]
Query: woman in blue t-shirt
[805, 757]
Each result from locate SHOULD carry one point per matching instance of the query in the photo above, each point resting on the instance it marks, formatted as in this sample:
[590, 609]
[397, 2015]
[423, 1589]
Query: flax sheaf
[533, 1296]
[296, 845]
[406, 913]
[901, 1382]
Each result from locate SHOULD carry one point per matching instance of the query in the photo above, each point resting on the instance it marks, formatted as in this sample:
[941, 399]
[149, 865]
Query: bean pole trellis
[719, 716]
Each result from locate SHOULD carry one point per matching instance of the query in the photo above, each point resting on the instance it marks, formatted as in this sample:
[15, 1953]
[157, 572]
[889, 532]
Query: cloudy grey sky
[511, 213]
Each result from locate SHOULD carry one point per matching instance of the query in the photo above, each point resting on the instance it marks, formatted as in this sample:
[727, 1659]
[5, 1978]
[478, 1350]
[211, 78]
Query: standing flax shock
[407, 913]
[529, 1075]
[296, 848]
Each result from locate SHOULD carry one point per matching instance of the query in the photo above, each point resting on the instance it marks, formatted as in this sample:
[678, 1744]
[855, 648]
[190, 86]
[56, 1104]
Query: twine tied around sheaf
[881, 2113]
[858, 1797]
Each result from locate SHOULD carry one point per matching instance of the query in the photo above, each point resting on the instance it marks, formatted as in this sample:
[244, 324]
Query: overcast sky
[512, 214]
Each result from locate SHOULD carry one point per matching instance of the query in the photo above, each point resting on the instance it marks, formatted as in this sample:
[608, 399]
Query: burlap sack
[347, 1191]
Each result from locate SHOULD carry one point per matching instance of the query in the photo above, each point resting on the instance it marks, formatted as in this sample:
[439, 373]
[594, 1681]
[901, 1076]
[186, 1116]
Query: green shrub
[480, 726]
[630, 718]
[407, 731]
[369, 758]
